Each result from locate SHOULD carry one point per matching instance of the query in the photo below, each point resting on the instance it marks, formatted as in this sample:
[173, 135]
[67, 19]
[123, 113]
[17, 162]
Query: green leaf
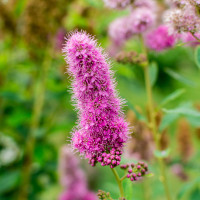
[167, 120]
[184, 190]
[195, 195]
[162, 154]
[189, 188]
[194, 121]
[185, 110]
[153, 73]
[179, 77]
[9, 181]
[171, 97]
[197, 56]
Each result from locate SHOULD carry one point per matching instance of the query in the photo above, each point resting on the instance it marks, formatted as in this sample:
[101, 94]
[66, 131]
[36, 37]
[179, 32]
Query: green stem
[38, 103]
[119, 182]
[153, 126]
[146, 190]
[124, 177]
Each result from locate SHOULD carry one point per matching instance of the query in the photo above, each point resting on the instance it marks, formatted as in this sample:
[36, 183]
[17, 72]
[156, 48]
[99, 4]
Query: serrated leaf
[183, 111]
[162, 154]
[167, 120]
[197, 56]
[179, 77]
[171, 97]
[153, 73]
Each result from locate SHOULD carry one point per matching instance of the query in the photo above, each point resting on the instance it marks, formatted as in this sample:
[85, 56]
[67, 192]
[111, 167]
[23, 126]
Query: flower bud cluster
[111, 159]
[131, 57]
[102, 195]
[135, 171]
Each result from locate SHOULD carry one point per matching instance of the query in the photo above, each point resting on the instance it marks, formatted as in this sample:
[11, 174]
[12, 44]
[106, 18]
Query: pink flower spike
[101, 125]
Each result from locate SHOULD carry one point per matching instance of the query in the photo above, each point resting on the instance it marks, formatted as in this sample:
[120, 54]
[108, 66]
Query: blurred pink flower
[72, 178]
[141, 19]
[189, 38]
[60, 38]
[184, 18]
[119, 30]
[160, 39]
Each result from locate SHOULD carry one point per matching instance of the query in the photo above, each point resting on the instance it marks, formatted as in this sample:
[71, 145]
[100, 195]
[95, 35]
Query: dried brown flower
[41, 21]
[131, 57]
[184, 140]
[141, 144]
[8, 22]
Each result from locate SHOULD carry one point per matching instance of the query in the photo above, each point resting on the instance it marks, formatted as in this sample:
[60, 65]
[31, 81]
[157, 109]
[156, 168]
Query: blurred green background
[37, 116]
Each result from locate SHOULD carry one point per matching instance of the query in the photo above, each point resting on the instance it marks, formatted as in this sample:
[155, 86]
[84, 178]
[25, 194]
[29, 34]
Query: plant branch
[119, 182]
[197, 38]
[38, 102]
[152, 125]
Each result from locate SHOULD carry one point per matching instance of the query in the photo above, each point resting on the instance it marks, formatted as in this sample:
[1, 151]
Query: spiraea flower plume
[101, 131]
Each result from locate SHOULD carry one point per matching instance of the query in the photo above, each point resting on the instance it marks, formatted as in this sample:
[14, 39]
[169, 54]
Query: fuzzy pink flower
[141, 19]
[101, 129]
[184, 19]
[160, 39]
[119, 30]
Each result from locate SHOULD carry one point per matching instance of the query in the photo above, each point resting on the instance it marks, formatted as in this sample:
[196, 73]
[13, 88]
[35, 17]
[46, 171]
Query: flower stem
[124, 177]
[152, 125]
[119, 182]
